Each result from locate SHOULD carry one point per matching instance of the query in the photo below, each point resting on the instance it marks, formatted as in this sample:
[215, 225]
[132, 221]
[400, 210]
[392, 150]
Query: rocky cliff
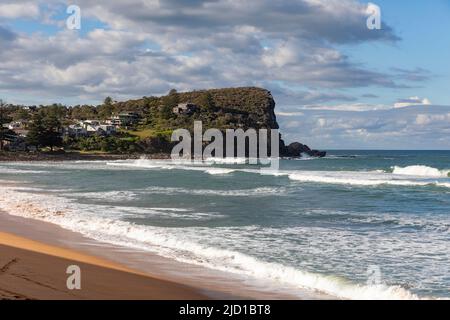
[228, 108]
[249, 107]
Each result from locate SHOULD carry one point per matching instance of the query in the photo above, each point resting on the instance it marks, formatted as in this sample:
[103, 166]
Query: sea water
[356, 224]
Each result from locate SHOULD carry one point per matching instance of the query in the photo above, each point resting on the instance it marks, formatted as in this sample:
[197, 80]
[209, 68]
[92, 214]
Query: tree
[84, 112]
[166, 111]
[106, 109]
[21, 114]
[45, 130]
[207, 102]
[35, 136]
[5, 133]
[108, 101]
[169, 102]
[52, 133]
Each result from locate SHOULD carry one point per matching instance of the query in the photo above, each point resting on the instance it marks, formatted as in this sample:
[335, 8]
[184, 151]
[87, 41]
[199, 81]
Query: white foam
[255, 192]
[171, 165]
[351, 179]
[172, 243]
[7, 170]
[363, 178]
[422, 171]
[443, 184]
[409, 176]
[20, 200]
[229, 160]
[218, 171]
[118, 196]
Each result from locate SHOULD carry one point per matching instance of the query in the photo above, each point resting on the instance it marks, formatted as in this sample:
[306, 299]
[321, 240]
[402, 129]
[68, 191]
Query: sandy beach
[34, 256]
[34, 270]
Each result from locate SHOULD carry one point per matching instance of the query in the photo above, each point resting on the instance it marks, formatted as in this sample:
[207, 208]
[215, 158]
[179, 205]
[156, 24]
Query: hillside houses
[16, 125]
[124, 119]
[88, 128]
[185, 108]
[84, 128]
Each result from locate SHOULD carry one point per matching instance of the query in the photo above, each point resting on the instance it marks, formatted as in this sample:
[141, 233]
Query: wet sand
[33, 270]
[199, 280]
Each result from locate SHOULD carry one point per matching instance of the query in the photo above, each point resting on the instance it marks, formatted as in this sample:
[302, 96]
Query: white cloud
[348, 107]
[152, 46]
[18, 9]
[412, 101]
[430, 119]
[395, 128]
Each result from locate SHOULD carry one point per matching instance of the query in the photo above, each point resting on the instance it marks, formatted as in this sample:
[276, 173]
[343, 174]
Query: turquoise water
[356, 224]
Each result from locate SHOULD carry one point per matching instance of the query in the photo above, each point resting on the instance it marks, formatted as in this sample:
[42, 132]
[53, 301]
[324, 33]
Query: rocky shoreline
[297, 149]
[71, 156]
[292, 151]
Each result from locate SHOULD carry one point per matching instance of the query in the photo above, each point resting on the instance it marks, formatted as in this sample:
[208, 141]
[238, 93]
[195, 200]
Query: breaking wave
[408, 176]
[130, 195]
[172, 243]
[352, 178]
[422, 171]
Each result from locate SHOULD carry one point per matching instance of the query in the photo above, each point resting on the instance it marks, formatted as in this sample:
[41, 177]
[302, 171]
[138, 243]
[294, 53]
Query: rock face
[230, 108]
[245, 107]
[296, 149]
[251, 107]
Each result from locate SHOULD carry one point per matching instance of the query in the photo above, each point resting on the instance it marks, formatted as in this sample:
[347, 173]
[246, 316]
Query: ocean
[354, 225]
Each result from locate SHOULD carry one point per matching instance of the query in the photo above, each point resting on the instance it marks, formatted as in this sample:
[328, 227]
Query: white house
[16, 125]
[124, 119]
[185, 108]
[76, 130]
[107, 129]
[88, 128]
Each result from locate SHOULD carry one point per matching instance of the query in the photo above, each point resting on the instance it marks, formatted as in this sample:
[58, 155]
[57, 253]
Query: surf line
[251, 144]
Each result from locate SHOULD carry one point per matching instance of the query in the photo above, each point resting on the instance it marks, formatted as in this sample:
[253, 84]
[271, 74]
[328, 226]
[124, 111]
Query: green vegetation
[45, 128]
[150, 133]
[5, 133]
[218, 108]
[103, 144]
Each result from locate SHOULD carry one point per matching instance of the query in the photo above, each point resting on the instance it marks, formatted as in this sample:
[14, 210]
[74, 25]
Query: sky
[337, 84]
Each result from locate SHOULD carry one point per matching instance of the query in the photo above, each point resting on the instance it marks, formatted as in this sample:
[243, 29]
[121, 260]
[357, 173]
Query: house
[75, 130]
[124, 119]
[106, 129]
[16, 125]
[87, 123]
[30, 108]
[89, 128]
[185, 108]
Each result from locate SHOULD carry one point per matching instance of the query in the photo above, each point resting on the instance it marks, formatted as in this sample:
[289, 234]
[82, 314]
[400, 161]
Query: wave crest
[420, 170]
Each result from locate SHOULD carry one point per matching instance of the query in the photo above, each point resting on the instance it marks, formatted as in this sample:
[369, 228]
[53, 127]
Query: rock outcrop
[230, 108]
[248, 107]
[297, 150]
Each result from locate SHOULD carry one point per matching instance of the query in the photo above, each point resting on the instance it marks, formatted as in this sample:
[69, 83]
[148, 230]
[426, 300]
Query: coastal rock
[296, 149]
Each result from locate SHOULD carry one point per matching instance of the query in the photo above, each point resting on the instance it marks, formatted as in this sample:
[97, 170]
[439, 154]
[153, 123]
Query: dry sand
[34, 270]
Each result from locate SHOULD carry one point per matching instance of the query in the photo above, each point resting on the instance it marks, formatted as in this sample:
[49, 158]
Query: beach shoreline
[46, 250]
[239, 235]
[32, 270]
[73, 156]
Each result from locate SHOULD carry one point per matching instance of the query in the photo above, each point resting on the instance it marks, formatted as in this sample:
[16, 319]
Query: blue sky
[422, 26]
[317, 57]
